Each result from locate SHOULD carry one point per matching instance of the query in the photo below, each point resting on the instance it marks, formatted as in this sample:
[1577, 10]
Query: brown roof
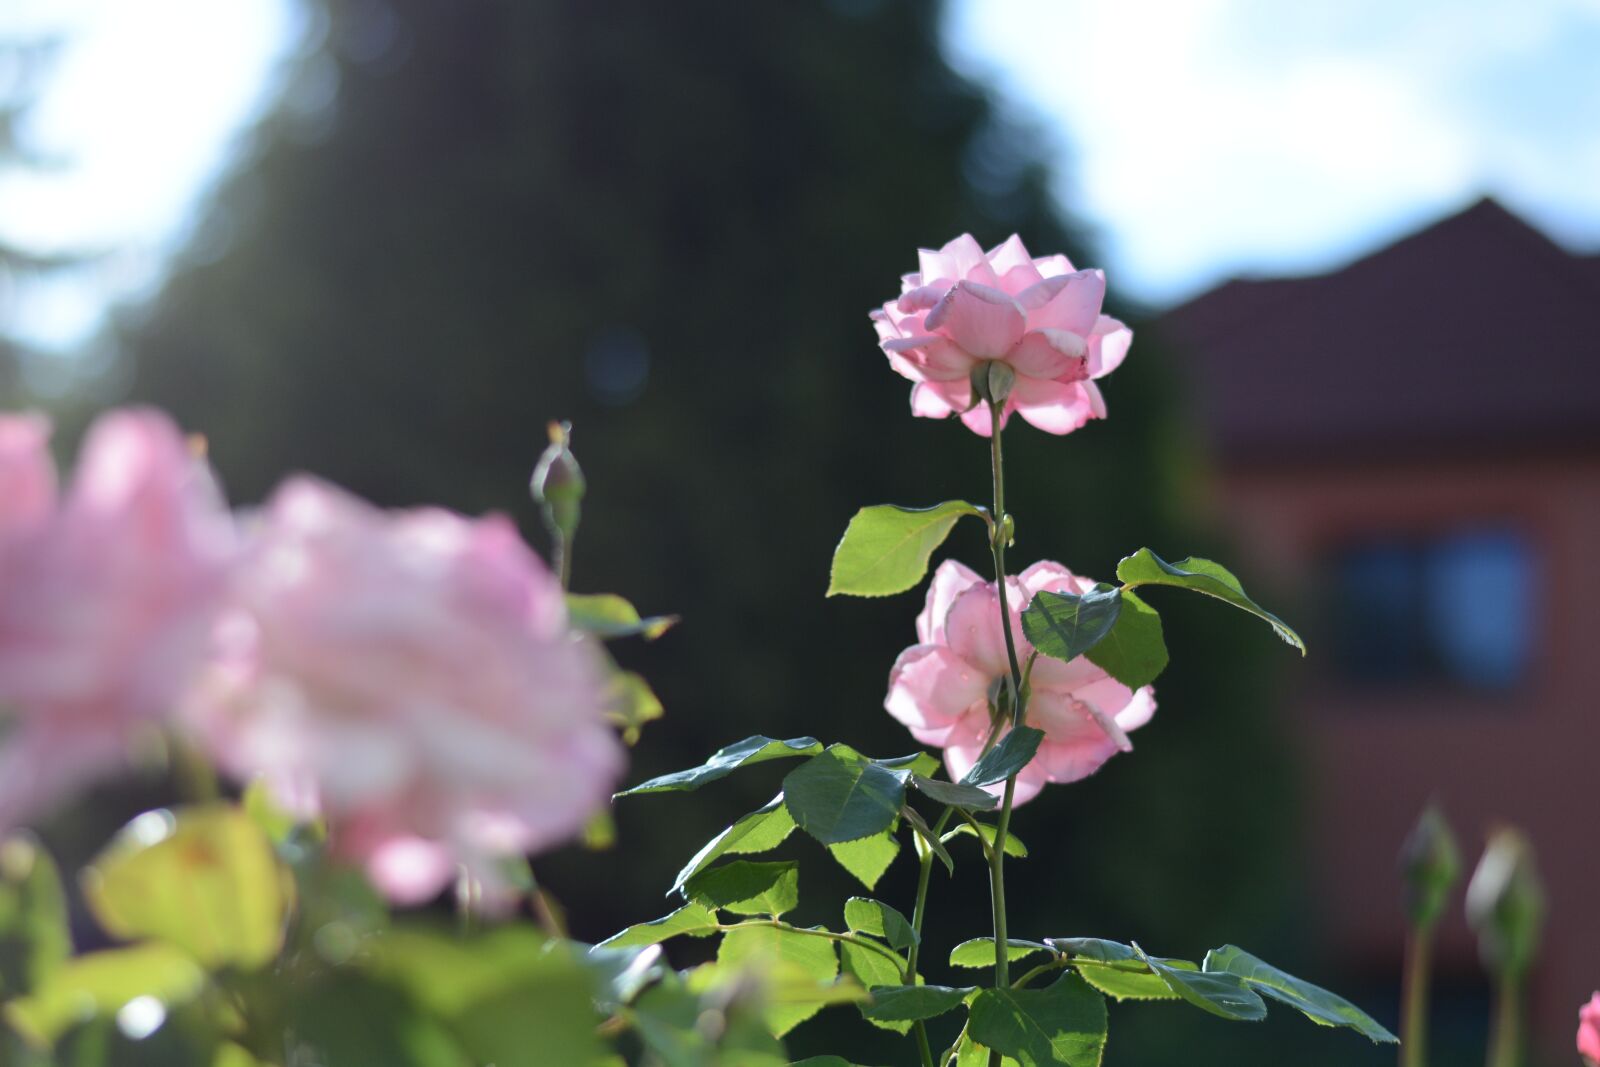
[1476, 331]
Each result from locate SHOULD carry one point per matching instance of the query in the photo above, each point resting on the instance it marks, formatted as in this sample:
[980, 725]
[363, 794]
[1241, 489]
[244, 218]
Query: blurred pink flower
[941, 687]
[106, 597]
[410, 674]
[1589, 1031]
[1040, 316]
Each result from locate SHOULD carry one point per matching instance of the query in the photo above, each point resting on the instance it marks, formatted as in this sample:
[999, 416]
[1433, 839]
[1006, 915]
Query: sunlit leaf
[868, 857]
[760, 831]
[1316, 1003]
[725, 761]
[866, 916]
[886, 548]
[1144, 567]
[691, 920]
[747, 888]
[607, 615]
[205, 879]
[1063, 1025]
[979, 952]
[34, 941]
[100, 984]
[1135, 651]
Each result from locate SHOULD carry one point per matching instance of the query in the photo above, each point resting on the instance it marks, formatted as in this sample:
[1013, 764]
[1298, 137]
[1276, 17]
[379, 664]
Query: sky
[1199, 139]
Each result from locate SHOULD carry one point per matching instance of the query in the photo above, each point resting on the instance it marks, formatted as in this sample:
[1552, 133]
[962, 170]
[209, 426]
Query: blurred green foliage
[666, 222]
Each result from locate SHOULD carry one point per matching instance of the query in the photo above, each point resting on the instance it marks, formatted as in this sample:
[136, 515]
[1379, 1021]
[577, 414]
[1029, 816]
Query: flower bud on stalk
[1505, 905]
[557, 487]
[1430, 865]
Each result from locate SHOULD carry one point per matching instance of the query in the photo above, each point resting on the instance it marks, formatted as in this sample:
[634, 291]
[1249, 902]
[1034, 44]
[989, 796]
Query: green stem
[1414, 1000]
[997, 860]
[1504, 1050]
[921, 907]
[917, 913]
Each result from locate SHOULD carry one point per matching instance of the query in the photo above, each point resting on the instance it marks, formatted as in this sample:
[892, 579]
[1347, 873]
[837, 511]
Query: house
[1409, 447]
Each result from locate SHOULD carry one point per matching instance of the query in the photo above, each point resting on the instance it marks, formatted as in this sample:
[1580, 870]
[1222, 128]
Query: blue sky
[1199, 138]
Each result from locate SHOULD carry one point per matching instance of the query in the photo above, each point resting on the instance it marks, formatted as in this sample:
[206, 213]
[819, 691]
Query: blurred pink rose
[1040, 316]
[1589, 1031]
[106, 597]
[412, 675]
[941, 688]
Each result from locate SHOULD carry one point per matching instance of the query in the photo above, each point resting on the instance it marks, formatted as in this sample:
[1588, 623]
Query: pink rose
[411, 675]
[106, 597]
[1040, 316]
[941, 688]
[1589, 1031]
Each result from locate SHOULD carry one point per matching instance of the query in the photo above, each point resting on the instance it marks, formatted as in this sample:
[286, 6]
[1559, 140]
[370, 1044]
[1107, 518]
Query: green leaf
[979, 952]
[868, 857]
[669, 1018]
[1014, 845]
[1144, 567]
[917, 763]
[885, 549]
[1134, 652]
[863, 915]
[205, 879]
[630, 703]
[871, 967]
[607, 615]
[1220, 994]
[924, 841]
[785, 954]
[692, 920]
[1066, 625]
[1008, 757]
[955, 794]
[1316, 1003]
[908, 1003]
[1113, 968]
[725, 761]
[620, 974]
[747, 888]
[99, 984]
[1064, 1024]
[873, 970]
[507, 996]
[348, 1017]
[34, 941]
[841, 796]
[1127, 985]
[760, 831]
[1095, 949]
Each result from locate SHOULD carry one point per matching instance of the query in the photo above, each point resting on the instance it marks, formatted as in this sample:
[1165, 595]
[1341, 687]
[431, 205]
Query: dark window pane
[1376, 597]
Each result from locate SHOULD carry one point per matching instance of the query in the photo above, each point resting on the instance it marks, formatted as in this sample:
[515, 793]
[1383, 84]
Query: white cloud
[1225, 135]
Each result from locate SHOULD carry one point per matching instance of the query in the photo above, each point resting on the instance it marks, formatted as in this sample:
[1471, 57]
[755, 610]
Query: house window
[1457, 608]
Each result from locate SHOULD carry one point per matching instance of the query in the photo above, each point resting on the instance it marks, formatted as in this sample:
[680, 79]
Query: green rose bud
[1430, 865]
[1505, 904]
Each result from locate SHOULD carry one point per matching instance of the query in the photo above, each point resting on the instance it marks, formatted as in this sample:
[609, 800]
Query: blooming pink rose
[1040, 316]
[941, 687]
[1589, 1031]
[412, 675]
[106, 597]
